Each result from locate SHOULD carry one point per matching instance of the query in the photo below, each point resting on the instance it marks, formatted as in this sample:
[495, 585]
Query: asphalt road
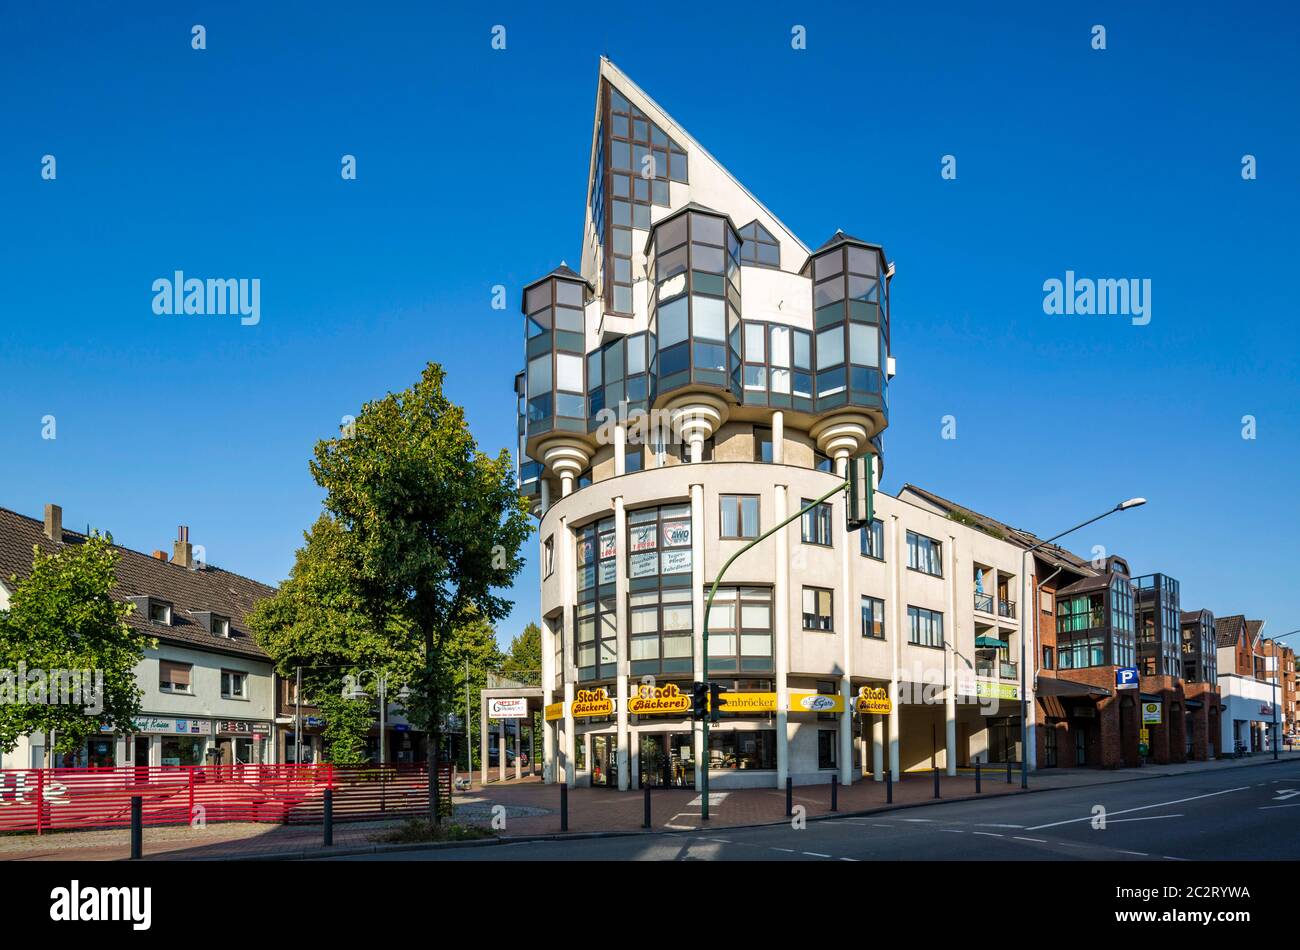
[1242, 814]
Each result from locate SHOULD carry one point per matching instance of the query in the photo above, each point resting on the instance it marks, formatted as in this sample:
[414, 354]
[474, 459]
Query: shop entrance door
[655, 770]
[681, 759]
[141, 758]
[604, 761]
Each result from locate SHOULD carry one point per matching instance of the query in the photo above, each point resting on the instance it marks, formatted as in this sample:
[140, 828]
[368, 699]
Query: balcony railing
[1009, 671]
[1007, 608]
[984, 603]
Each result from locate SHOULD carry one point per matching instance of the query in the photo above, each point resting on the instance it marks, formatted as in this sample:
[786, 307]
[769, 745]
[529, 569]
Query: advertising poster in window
[641, 537]
[608, 572]
[607, 545]
[677, 534]
[645, 565]
[676, 562]
[584, 550]
[586, 576]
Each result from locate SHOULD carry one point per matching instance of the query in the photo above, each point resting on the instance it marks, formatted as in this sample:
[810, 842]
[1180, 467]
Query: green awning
[995, 643]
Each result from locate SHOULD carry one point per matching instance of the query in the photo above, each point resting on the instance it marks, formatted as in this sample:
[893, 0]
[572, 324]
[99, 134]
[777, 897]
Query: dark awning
[1055, 686]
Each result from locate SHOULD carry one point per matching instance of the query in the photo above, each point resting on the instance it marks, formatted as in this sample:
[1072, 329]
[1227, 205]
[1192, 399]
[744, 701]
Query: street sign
[1152, 713]
[1126, 677]
[508, 708]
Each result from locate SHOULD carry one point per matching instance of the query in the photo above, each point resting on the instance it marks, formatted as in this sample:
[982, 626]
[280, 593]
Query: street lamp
[381, 680]
[1024, 572]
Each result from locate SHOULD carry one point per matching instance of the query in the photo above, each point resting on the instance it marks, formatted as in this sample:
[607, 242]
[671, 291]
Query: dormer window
[217, 624]
[759, 246]
[160, 612]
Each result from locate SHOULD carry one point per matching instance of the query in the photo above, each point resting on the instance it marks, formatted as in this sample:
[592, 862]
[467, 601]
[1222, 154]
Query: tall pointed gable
[628, 128]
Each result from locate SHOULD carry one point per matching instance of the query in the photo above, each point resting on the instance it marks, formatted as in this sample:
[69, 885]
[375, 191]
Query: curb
[320, 853]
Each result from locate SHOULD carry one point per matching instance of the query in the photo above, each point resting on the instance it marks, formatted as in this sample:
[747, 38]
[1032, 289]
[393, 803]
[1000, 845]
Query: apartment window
[873, 618]
[597, 625]
[160, 612]
[661, 622]
[234, 684]
[760, 247]
[816, 523]
[1047, 658]
[925, 627]
[872, 539]
[817, 609]
[740, 630]
[742, 748]
[633, 460]
[548, 556]
[221, 625]
[827, 688]
[739, 516]
[762, 444]
[924, 554]
[826, 748]
[1045, 601]
[174, 677]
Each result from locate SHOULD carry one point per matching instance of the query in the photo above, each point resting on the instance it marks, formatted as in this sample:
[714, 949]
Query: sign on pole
[1126, 677]
[861, 500]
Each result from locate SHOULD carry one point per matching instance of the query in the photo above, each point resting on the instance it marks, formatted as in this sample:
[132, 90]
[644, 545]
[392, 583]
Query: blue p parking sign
[1126, 677]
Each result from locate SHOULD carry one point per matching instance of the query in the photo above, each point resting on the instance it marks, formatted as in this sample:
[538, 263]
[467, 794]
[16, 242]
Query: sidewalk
[532, 808]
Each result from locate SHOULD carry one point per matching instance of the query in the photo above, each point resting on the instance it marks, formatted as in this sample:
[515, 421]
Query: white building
[208, 688]
[765, 368]
[1247, 718]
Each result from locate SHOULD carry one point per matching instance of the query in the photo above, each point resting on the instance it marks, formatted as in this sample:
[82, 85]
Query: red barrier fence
[43, 800]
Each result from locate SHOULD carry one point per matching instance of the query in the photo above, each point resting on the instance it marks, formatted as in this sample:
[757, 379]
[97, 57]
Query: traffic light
[699, 700]
[861, 506]
[715, 701]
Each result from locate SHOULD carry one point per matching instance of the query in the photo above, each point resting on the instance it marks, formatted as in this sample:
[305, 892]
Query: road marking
[1292, 805]
[1023, 838]
[1116, 821]
[954, 831]
[989, 824]
[848, 859]
[1141, 854]
[816, 854]
[917, 819]
[1170, 858]
[1284, 793]
[786, 850]
[1125, 811]
[988, 834]
[721, 840]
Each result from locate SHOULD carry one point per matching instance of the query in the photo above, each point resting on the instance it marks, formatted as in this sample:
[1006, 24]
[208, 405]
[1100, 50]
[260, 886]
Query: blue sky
[471, 172]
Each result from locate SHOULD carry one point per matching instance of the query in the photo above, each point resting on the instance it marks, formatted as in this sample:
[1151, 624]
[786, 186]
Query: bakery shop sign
[658, 701]
[874, 700]
[592, 702]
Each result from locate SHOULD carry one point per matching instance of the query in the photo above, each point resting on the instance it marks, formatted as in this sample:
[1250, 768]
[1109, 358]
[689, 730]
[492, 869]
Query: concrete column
[566, 485]
[519, 768]
[846, 626]
[483, 737]
[546, 494]
[621, 619]
[501, 751]
[781, 636]
[697, 448]
[896, 562]
[570, 740]
[699, 578]
[950, 657]
[620, 450]
[532, 746]
[778, 437]
[878, 748]
[569, 584]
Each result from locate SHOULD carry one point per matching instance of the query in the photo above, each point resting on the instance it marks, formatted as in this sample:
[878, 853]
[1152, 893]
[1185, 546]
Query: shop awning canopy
[994, 642]
[1055, 686]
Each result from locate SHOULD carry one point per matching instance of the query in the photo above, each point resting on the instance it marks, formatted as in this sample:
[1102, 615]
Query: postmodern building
[207, 687]
[700, 376]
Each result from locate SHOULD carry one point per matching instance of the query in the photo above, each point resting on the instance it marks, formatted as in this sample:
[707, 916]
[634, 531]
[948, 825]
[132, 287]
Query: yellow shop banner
[554, 711]
[816, 702]
[659, 701]
[874, 701]
[592, 702]
[749, 702]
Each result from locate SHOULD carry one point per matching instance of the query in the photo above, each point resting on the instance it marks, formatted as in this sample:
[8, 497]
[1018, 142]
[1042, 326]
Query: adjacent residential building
[208, 688]
[765, 363]
[1245, 685]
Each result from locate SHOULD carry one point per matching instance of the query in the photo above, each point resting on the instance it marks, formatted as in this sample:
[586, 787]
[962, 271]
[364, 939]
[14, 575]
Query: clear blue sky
[1117, 163]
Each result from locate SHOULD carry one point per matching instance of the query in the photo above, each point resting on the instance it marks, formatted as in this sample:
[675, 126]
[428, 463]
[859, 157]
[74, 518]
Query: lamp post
[381, 684]
[1277, 675]
[1024, 573]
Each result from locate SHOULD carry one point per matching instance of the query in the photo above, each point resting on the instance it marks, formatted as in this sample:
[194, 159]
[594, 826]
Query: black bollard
[329, 817]
[564, 806]
[889, 786]
[936, 782]
[789, 796]
[1008, 771]
[646, 823]
[835, 793]
[137, 827]
[977, 776]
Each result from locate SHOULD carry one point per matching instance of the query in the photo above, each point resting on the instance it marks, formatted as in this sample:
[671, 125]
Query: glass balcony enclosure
[555, 389]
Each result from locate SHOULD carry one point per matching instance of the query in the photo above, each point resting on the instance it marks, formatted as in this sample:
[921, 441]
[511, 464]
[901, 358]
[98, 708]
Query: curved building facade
[699, 378]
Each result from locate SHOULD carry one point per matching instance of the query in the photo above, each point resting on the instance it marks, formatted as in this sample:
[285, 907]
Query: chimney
[160, 555]
[182, 550]
[54, 523]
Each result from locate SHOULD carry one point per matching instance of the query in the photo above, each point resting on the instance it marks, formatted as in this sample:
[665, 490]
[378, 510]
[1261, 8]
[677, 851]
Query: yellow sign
[592, 702]
[816, 702]
[1151, 713]
[749, 702]
[875, 701]
[554, 711]
[1144, 734]
[985, 689]
[658, 701]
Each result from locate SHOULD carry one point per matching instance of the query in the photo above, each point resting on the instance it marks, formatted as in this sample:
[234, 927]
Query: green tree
[318, 620]
[63, 617]
[523, 660]
[431, 525]
[471, 651]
